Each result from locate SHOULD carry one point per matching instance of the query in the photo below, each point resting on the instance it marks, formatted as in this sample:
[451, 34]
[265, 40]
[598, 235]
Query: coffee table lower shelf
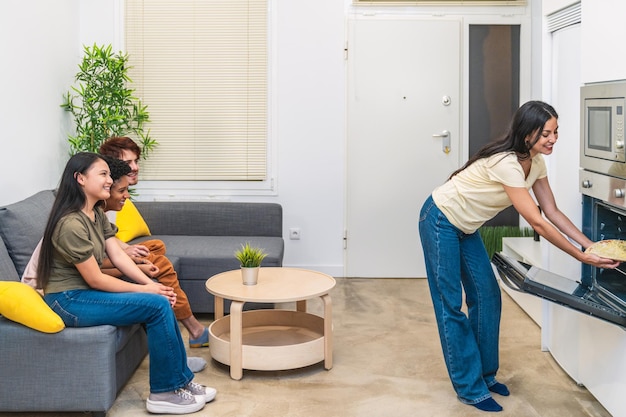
[272, 340]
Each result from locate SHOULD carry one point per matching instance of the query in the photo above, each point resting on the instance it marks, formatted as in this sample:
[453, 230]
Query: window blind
[201, 68]
[442, 2]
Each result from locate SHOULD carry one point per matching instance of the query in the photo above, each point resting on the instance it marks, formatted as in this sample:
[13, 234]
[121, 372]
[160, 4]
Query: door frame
[529, 70]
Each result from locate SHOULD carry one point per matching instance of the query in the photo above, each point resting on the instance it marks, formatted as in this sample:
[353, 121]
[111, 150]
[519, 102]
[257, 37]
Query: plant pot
[250, 276]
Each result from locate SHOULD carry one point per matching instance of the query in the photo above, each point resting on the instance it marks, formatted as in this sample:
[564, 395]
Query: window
[201, 68]
[442, 2]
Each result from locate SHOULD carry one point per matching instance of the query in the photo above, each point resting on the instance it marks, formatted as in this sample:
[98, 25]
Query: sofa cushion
[188, 218]
[200, 257]
[130, 224]
[22, 304]
[22, 225]
[7, 269]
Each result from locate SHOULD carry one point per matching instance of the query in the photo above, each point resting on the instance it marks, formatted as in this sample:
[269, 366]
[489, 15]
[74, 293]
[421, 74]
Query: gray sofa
[83, 369]
[201, 239]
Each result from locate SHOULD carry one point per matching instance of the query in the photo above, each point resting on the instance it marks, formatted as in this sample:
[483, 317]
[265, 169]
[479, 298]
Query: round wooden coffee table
[271, 339]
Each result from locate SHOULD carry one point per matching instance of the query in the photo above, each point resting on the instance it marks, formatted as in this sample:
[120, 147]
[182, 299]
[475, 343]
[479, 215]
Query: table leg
[301, 306]
[328, 331]
[236, 336]
[218, 311]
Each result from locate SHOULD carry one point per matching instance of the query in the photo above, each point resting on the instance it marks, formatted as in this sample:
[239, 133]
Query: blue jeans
[456, 261]
[168, 360]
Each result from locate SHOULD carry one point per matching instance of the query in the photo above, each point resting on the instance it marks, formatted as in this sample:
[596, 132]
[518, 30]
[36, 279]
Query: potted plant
[103, 104]
[250, 259]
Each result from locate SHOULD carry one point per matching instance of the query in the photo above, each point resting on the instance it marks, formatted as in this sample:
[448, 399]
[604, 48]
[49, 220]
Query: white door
[404, 84]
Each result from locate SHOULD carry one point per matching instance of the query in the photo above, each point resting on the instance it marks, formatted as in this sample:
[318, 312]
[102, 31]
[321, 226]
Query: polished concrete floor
[387, 362]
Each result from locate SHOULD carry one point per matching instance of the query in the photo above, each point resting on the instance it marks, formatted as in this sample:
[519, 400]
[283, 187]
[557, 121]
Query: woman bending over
[497, 176]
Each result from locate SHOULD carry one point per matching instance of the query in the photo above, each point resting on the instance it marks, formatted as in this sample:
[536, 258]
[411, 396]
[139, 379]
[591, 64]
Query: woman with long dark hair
[497, 176]
[78, 236]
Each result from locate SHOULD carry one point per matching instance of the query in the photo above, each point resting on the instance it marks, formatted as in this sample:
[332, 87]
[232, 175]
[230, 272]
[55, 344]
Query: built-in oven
[597, 292]
[602, 183]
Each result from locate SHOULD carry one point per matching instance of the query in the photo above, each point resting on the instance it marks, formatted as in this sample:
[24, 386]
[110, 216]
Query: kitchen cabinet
[603, 31]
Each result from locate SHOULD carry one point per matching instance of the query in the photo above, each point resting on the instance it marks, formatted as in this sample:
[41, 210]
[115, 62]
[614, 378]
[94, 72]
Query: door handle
[445, 141]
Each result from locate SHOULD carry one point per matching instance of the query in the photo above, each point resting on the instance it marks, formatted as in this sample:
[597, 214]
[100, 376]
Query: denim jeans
[457, 262]
[168, 360]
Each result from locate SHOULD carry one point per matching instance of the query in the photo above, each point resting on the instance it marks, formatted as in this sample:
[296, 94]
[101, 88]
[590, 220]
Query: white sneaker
[201, 392]
[180, 401]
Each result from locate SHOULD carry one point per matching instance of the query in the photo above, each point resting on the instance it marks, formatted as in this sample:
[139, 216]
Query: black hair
[117, 167]
[70, 198]
[528, 122]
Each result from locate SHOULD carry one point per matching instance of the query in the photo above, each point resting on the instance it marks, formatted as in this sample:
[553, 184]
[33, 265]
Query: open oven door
[529, 279]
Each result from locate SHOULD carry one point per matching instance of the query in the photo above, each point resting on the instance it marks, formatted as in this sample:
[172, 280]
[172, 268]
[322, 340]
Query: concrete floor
[387, 362]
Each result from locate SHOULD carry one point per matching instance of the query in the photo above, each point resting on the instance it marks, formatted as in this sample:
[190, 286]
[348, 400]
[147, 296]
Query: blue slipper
[202, 341]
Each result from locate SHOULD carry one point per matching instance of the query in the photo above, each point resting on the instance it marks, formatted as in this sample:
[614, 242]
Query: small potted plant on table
[250, 259]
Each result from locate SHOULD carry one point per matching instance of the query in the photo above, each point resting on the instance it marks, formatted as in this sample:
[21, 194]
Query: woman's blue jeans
[168, 360]
[456, 261]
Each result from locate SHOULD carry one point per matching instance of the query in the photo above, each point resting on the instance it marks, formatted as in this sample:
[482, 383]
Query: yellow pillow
[19, 302]
[129, 223]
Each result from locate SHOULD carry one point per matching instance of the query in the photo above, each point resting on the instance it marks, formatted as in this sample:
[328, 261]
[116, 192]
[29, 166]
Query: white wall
[38, 41]
[44, 40]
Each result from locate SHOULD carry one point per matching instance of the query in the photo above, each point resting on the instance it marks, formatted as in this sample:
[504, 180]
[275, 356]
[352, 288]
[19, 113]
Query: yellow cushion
[130, 224]
[21, 303]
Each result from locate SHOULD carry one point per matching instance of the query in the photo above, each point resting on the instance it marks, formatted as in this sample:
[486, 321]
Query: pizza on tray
[611, 249]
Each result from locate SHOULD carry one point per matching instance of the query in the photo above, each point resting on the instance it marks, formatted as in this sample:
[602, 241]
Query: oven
[597, 292]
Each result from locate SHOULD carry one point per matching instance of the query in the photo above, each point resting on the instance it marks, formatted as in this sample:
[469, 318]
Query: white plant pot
[250, 276]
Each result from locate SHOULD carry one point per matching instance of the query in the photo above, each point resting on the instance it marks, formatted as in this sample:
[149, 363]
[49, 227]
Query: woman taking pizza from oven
[497, 176]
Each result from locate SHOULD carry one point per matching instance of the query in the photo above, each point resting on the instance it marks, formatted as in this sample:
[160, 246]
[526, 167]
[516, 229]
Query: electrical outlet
[294, 233]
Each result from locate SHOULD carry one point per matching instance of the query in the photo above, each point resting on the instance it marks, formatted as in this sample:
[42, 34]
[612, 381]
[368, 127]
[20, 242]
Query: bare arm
[144, 264]
[134, 250]
[96, 279]
[527, 208]
[546, 200]
[124, 263]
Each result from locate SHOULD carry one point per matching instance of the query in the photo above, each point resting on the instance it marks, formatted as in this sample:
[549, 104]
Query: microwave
[603, 110]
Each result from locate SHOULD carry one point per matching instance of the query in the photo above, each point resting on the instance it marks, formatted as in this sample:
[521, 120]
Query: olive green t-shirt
[476, 194]
[74, 240]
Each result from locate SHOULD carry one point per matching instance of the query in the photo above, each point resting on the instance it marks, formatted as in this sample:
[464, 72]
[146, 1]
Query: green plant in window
[103, 104]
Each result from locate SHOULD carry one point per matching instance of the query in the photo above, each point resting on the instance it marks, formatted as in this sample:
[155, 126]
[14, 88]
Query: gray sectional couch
[83, 369]
[201, 239]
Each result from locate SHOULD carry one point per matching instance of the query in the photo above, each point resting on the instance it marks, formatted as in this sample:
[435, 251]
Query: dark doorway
[494, 79]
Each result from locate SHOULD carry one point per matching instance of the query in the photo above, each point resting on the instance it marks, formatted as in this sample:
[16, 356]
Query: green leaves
[102, 103]
[250, 257]
[492, 236]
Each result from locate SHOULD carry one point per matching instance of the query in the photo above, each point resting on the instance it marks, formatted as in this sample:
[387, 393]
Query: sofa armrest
[41, 371]
[212, 218]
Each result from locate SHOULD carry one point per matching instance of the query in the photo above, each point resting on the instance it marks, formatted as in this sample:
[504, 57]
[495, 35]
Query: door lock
[445, 141]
